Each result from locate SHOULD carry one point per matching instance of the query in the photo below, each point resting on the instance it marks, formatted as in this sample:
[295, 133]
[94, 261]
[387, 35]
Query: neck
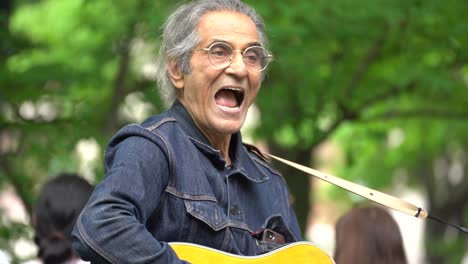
[221, 144]
[219, 141]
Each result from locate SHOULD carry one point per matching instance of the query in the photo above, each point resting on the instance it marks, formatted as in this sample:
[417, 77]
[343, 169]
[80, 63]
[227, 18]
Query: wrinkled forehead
[228, 26]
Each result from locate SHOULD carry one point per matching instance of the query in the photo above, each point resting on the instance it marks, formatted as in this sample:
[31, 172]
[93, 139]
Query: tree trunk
[448, 203]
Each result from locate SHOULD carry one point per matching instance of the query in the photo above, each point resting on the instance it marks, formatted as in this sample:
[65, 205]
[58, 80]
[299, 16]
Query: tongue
[226, 98]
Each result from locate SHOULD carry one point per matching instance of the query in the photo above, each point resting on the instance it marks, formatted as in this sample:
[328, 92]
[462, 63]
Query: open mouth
[229, 97]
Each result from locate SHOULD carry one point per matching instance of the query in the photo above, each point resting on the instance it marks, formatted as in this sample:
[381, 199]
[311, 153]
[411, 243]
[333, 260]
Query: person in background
[60, 202]
[368, 235]
[185, 175]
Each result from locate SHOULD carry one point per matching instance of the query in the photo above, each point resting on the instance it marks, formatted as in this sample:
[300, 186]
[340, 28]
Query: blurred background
[373, 91]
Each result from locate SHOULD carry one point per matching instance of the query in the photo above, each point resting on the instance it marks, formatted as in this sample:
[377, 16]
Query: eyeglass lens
[220, 56]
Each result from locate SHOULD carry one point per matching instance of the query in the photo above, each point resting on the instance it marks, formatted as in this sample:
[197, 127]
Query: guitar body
[294, 253]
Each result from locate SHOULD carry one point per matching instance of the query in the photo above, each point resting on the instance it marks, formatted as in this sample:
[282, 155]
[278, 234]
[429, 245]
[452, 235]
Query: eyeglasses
[221, 55]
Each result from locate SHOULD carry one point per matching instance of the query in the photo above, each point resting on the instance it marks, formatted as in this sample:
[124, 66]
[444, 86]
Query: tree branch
[323, 136]
[371, 56]
[391, 92]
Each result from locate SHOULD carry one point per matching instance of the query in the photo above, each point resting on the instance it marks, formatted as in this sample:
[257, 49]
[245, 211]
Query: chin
[230, 127]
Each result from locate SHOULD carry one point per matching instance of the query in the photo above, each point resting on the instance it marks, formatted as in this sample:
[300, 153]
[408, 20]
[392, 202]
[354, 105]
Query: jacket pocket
[208, 212]
[277, 224]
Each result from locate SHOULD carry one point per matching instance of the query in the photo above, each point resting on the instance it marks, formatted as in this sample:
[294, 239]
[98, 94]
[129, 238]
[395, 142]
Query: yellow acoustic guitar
[294, 253]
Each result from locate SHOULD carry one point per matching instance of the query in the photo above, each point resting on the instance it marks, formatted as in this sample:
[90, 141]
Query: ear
[175, 74]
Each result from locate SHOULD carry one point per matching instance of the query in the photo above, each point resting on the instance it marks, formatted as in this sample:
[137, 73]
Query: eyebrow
[250, 44]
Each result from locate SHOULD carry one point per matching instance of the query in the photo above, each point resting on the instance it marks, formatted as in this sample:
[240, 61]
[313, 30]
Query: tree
[352, 72]
[67, 71]
[370, 62]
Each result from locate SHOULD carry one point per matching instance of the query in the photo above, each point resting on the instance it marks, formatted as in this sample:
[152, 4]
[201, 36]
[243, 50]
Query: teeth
[234, 89]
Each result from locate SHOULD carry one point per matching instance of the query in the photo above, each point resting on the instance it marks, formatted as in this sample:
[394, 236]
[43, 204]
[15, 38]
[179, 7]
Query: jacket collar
[241, 161]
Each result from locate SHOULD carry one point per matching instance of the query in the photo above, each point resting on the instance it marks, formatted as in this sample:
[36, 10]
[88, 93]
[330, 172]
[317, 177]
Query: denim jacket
[164, 182]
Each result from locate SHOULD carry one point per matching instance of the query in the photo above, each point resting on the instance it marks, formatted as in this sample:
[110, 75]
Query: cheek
[255, 82]
[203, 73]
[199, 63]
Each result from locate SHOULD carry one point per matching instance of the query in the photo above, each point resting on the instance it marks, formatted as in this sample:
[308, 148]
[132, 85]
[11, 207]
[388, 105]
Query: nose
[237, 66]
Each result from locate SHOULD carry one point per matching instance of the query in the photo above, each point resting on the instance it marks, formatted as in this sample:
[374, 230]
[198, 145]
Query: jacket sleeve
[294, 225]
[111, 227]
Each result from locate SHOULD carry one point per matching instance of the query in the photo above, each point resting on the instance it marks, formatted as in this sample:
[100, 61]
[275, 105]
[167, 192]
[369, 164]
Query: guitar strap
[373, 195]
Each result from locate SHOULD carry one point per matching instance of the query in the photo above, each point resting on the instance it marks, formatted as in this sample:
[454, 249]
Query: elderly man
[185, 175]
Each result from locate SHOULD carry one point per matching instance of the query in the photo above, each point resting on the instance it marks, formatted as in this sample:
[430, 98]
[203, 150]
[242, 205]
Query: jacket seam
[173, 191]
[228, 223]
[87, 239]
[159, 123]
[170, 156]
[267, 166]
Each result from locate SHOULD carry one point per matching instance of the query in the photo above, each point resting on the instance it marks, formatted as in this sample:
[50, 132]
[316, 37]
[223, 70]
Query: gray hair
[180, 36]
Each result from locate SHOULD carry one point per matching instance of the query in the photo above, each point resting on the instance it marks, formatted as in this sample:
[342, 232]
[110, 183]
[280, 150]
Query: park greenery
[385, 81]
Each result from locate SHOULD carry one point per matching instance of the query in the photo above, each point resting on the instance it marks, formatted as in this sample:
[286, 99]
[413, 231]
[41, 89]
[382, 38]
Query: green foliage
[340, 60]
[10, 231]
[387, 80]
[454, 247]
[68, 68]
